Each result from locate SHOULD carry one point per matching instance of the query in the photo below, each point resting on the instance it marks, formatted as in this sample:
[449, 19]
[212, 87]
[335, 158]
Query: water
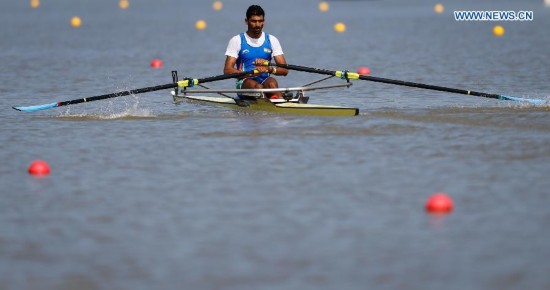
[145, 194]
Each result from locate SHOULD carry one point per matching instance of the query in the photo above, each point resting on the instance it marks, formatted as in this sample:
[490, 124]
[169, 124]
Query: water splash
[123, 108]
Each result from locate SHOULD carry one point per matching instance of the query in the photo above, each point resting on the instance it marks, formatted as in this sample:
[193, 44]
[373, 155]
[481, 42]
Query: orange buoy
[156, 63]
[39, 167]
[124, 4]
[217, 5]
[498, 30]
[35, 3]
[76, 21]
[439, 8]
[324, 6]
[439, 203]
[340, 27]
[200, 24]
[363, 71]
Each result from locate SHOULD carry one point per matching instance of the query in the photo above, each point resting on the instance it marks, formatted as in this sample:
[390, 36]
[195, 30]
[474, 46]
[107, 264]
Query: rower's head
[255, 20]
[254, 10]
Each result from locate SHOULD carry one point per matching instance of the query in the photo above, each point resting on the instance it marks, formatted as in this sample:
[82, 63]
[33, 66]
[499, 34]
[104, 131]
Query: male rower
[251, 50]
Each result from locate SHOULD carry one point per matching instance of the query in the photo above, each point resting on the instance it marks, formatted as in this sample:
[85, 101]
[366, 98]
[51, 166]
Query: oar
[180, 84]
[355, 76]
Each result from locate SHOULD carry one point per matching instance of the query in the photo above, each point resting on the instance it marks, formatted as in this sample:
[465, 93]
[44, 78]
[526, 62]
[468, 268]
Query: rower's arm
[229, 67]
[280, 59]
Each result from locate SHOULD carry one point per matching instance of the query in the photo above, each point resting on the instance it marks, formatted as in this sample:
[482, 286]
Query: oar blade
[531, 101]
[36, 108]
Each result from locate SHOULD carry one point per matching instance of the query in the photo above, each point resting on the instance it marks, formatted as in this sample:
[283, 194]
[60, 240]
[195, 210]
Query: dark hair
[254, 10]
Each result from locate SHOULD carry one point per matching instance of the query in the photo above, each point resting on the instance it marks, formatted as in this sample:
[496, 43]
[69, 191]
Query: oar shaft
[426, 86]
[352, 75]
[181, 84]
[387, 81]
[118, 94]
[184, 83]
[305, 69]
[223, 77]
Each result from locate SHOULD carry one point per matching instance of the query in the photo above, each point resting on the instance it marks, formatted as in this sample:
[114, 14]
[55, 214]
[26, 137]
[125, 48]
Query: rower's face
[255, 23]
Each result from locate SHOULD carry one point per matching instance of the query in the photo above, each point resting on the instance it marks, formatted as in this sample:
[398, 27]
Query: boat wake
[126, 115]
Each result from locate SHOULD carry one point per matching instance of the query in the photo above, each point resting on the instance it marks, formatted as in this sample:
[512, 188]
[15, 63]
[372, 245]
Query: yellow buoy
[200, 25]
[339, 27]
[323, 6]
[76, 21]
[439, 8]
[123, 4]
[217, 5]
[35, 3]
[498, 30]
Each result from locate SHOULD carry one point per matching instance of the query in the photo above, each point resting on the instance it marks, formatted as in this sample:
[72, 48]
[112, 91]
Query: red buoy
[156, 63]
[363, 71]
[39, 167]
[439, 203]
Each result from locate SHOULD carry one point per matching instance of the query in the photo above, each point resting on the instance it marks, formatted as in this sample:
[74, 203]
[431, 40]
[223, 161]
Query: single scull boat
[294, 101]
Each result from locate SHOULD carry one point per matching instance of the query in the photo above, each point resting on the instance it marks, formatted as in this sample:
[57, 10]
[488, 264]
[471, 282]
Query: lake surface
[146, 194]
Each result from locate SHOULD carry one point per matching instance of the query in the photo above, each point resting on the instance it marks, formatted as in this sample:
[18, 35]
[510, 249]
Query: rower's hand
[262, 69]
[256, 72]
[261, 62]
[261, 66]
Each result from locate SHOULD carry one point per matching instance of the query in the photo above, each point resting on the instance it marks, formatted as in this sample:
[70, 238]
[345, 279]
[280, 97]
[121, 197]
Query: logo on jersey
[245, 51]
[267, 50]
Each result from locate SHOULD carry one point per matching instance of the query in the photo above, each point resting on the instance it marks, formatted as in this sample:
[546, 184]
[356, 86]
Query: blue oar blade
[36, 108]
[532, 101]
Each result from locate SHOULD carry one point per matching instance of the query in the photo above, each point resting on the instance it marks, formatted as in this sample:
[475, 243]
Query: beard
[256, 30]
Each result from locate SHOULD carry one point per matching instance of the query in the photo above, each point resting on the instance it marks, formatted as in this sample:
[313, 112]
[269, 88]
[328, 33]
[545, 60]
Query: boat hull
[273, 106]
